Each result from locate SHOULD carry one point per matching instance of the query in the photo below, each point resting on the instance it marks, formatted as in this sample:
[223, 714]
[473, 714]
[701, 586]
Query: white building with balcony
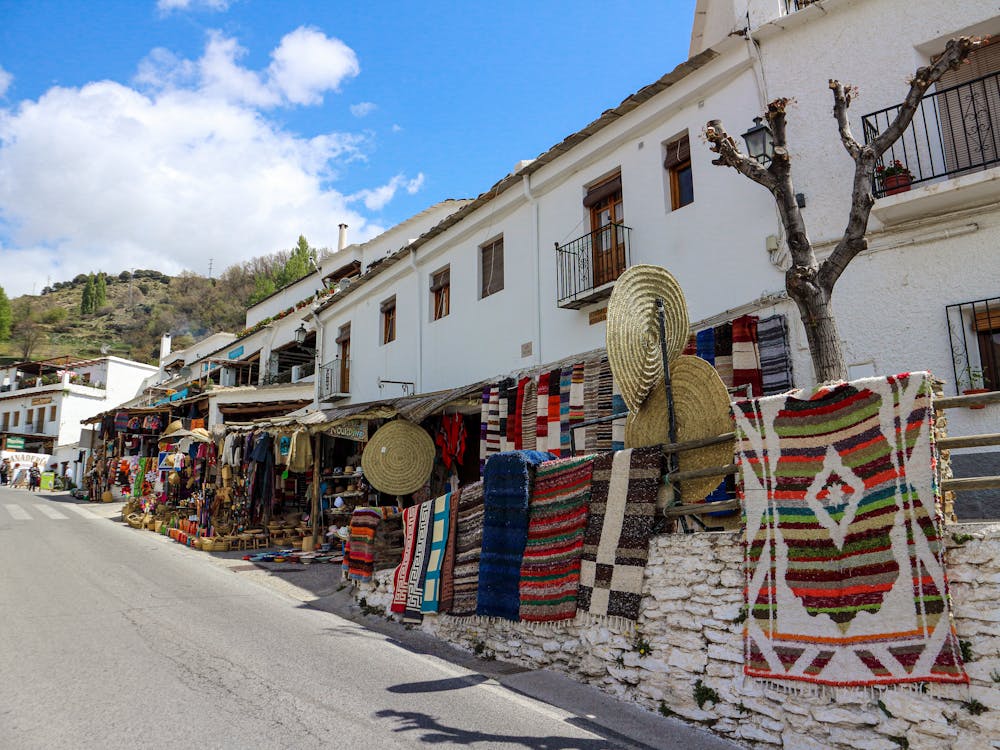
[43, 403]
[520, 276]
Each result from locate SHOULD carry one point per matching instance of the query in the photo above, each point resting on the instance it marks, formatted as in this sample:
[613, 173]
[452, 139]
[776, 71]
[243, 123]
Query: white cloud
[6, 79]
[363, 109]
[397, 128]
[166, 6]
[375, 199]
[304, 66]
[109, 177]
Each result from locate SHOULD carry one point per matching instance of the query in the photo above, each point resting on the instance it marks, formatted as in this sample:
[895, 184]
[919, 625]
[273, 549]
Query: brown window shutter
[344, 334]
[441, 279]
[678, 152]
[389, 304]
[599, 192]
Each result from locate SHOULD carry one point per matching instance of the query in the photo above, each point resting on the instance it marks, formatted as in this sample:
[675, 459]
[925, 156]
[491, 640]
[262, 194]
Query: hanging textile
[402, 573]
[723, 335]
[542, 413]
[554, 409]
[438, 539]
[450, 440]
[446, 598]
[845, 574]
[360, 553]
[619, 527]
[557, 518]
[577, 409]
[413, 612]
[775, 355]
[506, 483]
[705, 345]
[468, 548]
[746, 355]
[300, 455]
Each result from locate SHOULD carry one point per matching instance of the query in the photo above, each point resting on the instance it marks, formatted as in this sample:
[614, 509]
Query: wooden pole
[954, 402]
[317, 438]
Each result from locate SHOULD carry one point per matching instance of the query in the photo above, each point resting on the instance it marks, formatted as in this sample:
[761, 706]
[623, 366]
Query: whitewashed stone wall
[691, 623]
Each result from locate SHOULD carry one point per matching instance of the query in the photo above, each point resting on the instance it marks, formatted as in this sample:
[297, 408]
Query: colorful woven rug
[616, 543]
[418, 571]
[468, 547]
[557, 518]
[746, 355]
[507, 484]
[542, 413]
[724, 353]
[441, 510]
[360, 556]
[845, 577]
[402, 574]
[447, 596]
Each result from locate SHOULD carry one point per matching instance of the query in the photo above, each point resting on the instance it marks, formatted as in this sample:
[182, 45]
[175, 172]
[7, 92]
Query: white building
[43, 403]
[520, 276]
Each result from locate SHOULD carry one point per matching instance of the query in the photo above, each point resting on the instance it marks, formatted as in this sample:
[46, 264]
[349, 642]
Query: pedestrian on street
[34, 477]
[4, 471]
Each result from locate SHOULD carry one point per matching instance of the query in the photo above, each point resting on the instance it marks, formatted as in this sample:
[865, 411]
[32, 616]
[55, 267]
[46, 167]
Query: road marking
[82, 511]
[19, 513]
[52, 512]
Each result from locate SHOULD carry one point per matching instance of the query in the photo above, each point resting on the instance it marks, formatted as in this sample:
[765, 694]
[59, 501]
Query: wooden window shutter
[441, 279]
[387, 305]
[678, 152]
[344, 333]
[599, 192]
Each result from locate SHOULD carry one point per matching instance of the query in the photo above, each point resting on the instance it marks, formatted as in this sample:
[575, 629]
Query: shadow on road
[436, 733]
[437, 686]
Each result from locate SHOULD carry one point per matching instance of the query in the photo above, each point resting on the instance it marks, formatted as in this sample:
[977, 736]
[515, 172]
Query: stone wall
[688, 647]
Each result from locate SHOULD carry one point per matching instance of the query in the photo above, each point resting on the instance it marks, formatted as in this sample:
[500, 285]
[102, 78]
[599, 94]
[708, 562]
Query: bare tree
[809, 282]
[28, 334]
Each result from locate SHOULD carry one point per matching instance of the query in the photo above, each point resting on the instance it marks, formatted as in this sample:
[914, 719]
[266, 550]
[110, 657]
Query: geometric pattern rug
[845, 576]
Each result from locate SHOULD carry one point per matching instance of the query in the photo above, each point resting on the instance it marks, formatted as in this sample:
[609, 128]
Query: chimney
[164, 345]
[342, 241]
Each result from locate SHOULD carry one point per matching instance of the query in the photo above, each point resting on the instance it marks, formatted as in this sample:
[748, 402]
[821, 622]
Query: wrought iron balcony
[335, 380]
[588, 266]
[955, 131]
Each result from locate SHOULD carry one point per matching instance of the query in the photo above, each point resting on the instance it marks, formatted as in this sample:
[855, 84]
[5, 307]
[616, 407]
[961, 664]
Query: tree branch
[955, 53]
[853, 241]
[841, 101]
[721, 143]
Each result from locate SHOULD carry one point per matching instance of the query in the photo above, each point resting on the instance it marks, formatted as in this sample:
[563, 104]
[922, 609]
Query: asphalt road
[112, 638]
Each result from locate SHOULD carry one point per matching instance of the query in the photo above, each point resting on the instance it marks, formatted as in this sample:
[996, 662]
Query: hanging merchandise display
[633, 329]
[399, 458]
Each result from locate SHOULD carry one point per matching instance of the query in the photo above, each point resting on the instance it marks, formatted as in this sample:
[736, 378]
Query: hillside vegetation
[125, 314]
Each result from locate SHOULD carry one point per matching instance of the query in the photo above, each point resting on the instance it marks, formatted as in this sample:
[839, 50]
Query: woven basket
[399, 458]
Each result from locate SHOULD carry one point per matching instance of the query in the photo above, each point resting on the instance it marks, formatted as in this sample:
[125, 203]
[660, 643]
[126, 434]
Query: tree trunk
[816, 313]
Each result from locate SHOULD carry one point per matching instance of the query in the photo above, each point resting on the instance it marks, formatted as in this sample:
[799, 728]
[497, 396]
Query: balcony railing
[793, 5]
[588, 265]
[974, 336]
[335, 379]
[955, 130]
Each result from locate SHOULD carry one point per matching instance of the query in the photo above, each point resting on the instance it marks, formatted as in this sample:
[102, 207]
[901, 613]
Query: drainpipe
[532, 201]
[419, 385]
[320, 347]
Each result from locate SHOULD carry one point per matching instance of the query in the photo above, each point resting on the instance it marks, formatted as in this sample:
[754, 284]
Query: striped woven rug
[557, 517]
[468, 546]
[845, 576]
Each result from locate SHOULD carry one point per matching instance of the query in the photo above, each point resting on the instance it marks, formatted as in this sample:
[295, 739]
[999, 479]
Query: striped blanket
[468, 544]
[417, 578]
[360, 552]
[441, 510]
[616, 543]
[507, 482]
[401, 576]
[775, 355]
[746, 355]
[557, 517]
[845, 576]
[447, 596]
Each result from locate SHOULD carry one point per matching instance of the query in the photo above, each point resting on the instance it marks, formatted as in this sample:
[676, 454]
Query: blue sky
[159, 133]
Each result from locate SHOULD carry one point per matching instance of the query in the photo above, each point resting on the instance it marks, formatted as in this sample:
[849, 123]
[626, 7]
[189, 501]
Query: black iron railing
[955, 130]
[589, 263]
[793, 5]
[335, 379]
[974, 336]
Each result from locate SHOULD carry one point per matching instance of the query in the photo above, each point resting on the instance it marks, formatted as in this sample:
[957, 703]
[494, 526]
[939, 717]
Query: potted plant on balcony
[974, 377]
[894, 178]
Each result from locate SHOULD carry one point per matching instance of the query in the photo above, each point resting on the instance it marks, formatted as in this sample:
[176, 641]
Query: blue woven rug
[506, 487]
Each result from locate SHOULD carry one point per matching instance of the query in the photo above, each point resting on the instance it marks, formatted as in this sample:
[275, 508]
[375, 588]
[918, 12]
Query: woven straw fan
[702, 410]
[399, 458]
[633, 335]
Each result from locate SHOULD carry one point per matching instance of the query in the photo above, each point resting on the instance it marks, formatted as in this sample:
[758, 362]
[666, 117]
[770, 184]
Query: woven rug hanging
[557, 518]
[437, 542]
[506, 488]
[845, 575]
[619, 527]
[360, 557]
[468, 548]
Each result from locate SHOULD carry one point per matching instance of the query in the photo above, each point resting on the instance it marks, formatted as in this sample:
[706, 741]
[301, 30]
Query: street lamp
[760, 143]
[300, 334]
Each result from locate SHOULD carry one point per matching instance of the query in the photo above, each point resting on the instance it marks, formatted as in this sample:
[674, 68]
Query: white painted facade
[930, 247]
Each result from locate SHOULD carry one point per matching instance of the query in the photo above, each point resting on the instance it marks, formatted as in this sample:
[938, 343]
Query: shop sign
[41, 400]
[356, 430]
[15, 443]
[598, 316]
[26, 459]
[235, 353]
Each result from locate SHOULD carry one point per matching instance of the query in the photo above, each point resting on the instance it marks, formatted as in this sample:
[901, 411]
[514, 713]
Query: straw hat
[701, 406]
[399, 458]
[633, 335]
[173, 427]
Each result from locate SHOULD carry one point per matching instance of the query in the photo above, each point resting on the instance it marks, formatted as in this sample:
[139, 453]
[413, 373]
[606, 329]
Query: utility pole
[210, 260]
[131, 275]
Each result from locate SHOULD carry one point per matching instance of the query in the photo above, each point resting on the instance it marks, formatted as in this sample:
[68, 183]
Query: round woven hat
[633, 336]
[399, 458]
[701, 406]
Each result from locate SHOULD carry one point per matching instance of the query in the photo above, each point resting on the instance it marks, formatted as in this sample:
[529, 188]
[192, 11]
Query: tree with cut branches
[809, 282]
